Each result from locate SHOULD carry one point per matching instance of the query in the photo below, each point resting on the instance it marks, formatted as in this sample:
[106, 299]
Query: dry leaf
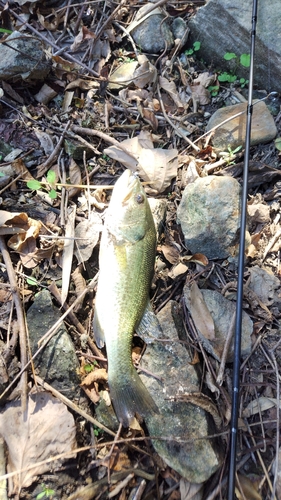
[190, 491]
[74, 177]
[123, 75]
[201, 94]
[46, 141]
[200, 313]
[146, 73]
[86, 237]
[249, 488]
[170, 253]
[205, 79]
[47, 430]
[197, 258]
[170, 87]
[45, 94]
[158, 166]
[83, 85]
[259, 405]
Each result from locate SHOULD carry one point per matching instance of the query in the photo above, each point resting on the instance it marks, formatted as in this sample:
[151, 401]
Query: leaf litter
[144, 125]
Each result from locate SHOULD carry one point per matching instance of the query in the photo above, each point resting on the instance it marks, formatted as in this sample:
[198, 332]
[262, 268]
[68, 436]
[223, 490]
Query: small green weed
[229, 154]
[230, 76]
[45, 493]
[196, 46]
[51, 178]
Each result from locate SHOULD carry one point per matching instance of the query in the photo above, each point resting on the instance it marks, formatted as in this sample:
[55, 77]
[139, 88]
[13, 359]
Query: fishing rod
[239, 299]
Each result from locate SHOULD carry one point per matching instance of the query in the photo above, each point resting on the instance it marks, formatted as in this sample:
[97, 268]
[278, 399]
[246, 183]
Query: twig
[271, 243]
[177, 130]
[104, 137]
[44, 166]
[20, 316]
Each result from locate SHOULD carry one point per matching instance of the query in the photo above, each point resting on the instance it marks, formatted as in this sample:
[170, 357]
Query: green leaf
[33, 184]
[229, 55]
[40, 495]
[196, 46]
[3, 30]
[224, 77]
[1, 173]
[214, 90]
[277, 143]
[51, 177]
[232, 78]
[245, 60]
[32, 281]
[189, 52]
[53, 194]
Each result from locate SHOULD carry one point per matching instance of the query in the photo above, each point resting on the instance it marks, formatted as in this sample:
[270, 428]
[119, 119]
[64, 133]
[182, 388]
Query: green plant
[51, 180]
[196, 46]
[230, 76]
[214, 90]
[45, 493]
[229, 154]
[97, 431]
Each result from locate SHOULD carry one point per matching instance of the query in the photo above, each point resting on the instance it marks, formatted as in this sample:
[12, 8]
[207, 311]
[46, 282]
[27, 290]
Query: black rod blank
[239, 302]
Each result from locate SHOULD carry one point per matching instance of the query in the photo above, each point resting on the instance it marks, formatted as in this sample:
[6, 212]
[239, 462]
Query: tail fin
[130, 396]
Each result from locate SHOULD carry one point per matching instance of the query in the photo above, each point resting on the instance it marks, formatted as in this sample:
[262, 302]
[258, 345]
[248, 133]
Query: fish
[126, 267]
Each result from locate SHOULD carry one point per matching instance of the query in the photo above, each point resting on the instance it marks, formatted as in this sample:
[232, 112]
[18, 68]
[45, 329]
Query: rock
[179, 424]
[233, 133]
[209, 216]
[225, 26]
[57, 363]
[222, 310]
[23, 56]
[153, 34]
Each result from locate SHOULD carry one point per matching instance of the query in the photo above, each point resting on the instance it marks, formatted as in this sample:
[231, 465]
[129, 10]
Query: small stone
[233, 133]
[153, 34]
[209, 215]
[57, 363]
[179, 423]
[23, 56]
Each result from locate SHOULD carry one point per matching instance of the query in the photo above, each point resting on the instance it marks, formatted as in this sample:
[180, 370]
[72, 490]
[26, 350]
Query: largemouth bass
[126, 259]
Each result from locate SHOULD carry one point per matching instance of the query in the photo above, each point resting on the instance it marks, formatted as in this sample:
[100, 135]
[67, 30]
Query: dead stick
[20, 317]
[44, 166]
[104, 137]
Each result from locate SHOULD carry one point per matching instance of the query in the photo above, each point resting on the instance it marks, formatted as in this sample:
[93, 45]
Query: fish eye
[139, 198]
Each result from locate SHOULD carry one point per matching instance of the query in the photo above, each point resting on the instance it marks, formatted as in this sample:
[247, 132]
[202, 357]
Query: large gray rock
[23, 56]
[224, 26]
[57, 363]
[233, 133]
[179, 423]
[209, 215]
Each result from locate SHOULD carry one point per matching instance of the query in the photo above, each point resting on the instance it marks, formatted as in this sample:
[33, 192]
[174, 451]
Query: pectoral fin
[149, 327]
[98, 331]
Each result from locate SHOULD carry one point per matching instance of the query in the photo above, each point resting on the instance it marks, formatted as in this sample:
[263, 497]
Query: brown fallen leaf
[200, 313]
[249, 488]
[156, 165]
[170, 87]
[47, 429]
